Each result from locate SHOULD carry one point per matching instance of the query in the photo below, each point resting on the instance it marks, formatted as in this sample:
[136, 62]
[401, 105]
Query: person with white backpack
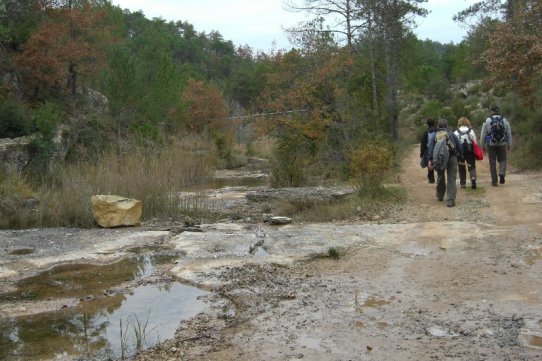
[467, 137]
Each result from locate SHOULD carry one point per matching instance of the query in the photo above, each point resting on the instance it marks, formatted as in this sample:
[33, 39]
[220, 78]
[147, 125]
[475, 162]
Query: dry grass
[13, 193]
[263, 147]
[359, 205]
[156, 178]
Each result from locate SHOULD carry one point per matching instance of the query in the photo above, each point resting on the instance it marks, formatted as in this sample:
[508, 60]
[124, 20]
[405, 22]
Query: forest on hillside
[343, 93]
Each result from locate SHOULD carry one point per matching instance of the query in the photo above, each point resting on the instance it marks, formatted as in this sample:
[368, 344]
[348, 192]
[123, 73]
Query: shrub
[369, 164]
[13, 121]
[226, 156]
[42, 147]
[294, 152]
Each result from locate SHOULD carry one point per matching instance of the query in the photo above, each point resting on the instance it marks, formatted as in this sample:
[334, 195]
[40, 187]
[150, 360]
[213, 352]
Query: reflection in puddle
[93, 328]
[260, 252]
[363, 300]
[158, 309]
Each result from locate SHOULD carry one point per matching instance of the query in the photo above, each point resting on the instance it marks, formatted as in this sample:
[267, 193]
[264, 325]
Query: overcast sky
[260, 23]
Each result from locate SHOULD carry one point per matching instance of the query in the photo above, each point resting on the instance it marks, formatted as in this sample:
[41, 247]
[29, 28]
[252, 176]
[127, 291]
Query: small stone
[280, 220]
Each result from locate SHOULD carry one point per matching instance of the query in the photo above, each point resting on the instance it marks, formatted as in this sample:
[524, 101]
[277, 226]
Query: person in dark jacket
[456, 155]
[424, 147]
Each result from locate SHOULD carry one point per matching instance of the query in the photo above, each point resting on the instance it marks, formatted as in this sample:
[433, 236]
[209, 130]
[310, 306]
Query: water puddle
[260, 252]
[21, 251]
[363, 300]
[531, 334]
[102, 327]
[531, 340]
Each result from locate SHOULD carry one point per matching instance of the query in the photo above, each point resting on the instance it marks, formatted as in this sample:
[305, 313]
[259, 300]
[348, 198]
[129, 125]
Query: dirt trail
[516, 202]
[459, 283]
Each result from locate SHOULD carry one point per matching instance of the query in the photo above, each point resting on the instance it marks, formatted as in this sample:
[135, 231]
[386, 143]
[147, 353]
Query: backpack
[497, 129]
[465, 140]
[442, 150]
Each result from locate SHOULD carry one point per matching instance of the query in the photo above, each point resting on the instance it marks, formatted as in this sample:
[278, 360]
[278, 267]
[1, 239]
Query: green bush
[46, 119]
[226, 156]
[293, 154]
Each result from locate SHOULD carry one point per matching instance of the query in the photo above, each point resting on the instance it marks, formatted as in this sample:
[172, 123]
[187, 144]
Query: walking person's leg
[441, 185]
[492, 156]
[462, 174]
[501, 159]
[430, 175]
[469, 158]
[451, 175]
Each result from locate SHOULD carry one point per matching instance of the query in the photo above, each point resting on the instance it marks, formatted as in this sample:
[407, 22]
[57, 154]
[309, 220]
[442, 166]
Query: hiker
[466, 137]
[424, 148]
[444, 153]
[496, 139]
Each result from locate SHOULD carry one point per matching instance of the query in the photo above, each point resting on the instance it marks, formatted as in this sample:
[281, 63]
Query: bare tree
[343, 12]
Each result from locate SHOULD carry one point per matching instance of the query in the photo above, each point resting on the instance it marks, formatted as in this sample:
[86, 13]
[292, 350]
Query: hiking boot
[463, 185]
[501, 179]
[473, 183]
[450, 203]
[440, 199]
[431, 181]
[494, 184]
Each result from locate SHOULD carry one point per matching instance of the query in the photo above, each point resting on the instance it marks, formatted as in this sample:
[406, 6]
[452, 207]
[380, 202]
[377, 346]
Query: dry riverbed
[422, 282]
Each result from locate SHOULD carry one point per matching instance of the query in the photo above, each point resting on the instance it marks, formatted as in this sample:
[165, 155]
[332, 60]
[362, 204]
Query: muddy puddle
[101, 321]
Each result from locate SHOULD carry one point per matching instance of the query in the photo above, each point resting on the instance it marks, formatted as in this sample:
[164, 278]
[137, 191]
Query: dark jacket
[457, 144]
[423, 141]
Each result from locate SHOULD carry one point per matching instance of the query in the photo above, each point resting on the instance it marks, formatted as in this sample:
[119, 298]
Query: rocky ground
[422, 282]
[427, 283]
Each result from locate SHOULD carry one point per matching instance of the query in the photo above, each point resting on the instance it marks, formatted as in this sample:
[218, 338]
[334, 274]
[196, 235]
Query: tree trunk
[373, 68]
[72, 79]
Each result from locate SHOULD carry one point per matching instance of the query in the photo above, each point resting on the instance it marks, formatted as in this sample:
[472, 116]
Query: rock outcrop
[302, 194]
[116, 211]
[14, 154]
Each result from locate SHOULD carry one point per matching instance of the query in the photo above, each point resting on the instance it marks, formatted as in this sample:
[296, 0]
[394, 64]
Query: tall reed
[155, 177]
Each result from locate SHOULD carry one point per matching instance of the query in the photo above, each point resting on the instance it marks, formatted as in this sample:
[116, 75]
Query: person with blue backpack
[496, 139]
[444, 153]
